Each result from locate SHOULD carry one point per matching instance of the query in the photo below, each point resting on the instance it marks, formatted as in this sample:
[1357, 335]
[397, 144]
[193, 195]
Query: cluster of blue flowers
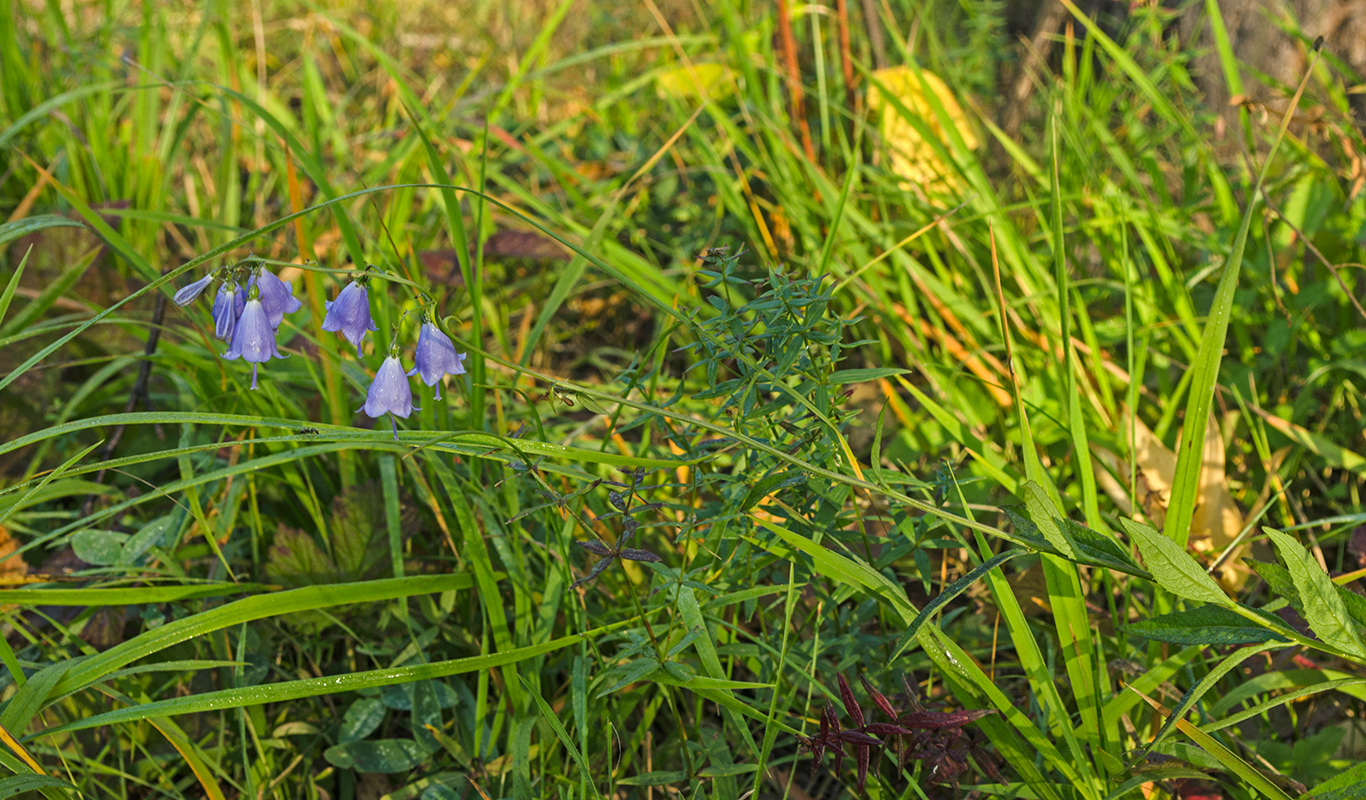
[248, 319]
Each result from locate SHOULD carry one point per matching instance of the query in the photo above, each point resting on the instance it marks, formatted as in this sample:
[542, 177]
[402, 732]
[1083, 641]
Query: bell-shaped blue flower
[390, 392]
[187, 294]
[349, 314]
[227, 307]
[436, 357]
[253, 339]
[276, 296]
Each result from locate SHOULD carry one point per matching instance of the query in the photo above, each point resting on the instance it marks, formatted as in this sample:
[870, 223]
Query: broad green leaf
[101, 548]
[1347, 785]
[1323, 609]
[1278, 577]
[1209, 625]
[653, 779]
[1045, 517]
[297, 560]
[1172, 567]
[426, 712]
[361, 719]
[382, 755]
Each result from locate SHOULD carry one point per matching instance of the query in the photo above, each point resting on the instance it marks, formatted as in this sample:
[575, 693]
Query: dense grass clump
[709, 401]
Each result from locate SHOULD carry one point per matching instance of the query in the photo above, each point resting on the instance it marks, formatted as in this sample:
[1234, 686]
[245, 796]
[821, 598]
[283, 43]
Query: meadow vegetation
[834, 420]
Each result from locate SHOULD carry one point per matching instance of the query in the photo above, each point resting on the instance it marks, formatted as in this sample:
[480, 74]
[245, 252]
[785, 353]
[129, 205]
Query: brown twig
[846, 56]
[873, 23]
[139, 393]
[1036, 57]
[1309, 245]
[794, 79]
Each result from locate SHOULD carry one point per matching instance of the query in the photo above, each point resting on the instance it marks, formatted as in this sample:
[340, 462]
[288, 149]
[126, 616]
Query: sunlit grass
[747, 408]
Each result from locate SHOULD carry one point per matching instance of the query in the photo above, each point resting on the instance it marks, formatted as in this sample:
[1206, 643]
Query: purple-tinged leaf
[595, 547]
[640, 555]
[912, 694]
[830, 723]
[887, 729]
[851, 705]
[939, 720]
[858, 738]
[879, 698]
[593, 573]
[862, 756]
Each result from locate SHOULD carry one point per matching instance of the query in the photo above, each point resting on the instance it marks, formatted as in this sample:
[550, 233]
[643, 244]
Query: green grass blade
[331, 684]
[1186, 482]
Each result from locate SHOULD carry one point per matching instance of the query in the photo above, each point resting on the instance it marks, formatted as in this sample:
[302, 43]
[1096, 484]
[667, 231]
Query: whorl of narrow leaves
[935, 737]
[629, 524]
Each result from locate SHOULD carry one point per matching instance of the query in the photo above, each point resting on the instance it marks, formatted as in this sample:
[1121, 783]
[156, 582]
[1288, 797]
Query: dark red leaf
[640, 555]
[830, 723]
[595, 547]
[912, 695]
[593, 573]
[879, 698]
[861, 754]
[859, 738]
[851, 705]
[938, 720]
[885, 729]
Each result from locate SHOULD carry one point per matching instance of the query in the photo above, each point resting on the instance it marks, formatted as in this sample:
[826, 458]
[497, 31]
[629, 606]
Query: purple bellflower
[390, 393]
[276, 296]
[228, 305]
[189, 293]
[436, 357]
[253, 338]
[349, 315]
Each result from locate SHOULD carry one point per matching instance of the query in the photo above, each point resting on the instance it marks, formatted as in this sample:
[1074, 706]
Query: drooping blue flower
[436, 357]
[390, 393]
[349, 314]
[276, 295]
[228, 305]
[253, 339]
[187, 294]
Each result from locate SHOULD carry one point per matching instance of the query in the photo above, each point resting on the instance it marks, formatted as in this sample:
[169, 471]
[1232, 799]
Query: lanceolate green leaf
[1209, 625]
[1045, 518]
[951, 591]
[1172, 567]
[1323, 608]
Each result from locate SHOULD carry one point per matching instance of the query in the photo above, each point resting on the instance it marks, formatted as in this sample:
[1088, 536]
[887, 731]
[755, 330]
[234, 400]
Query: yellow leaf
[691, 81]
[897, 96]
